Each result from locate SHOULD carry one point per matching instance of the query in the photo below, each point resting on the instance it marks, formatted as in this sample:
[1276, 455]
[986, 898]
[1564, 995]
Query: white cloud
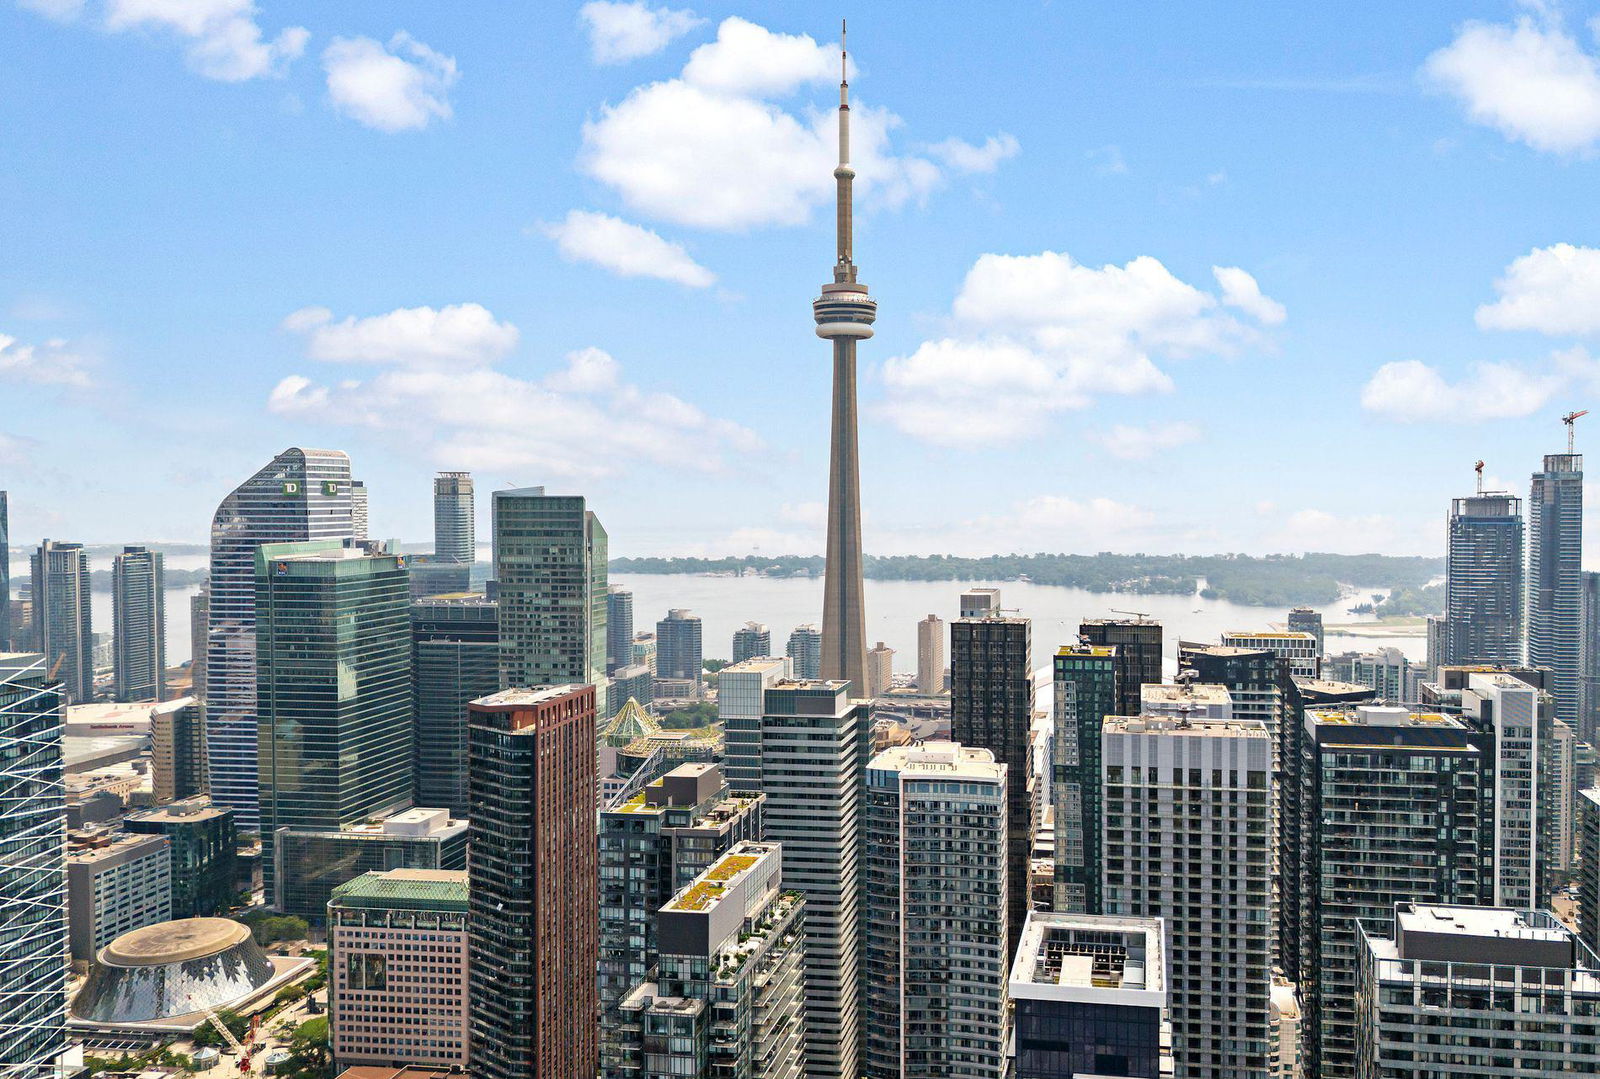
[1142, 443]
[1033, 335]
[1240, 290]
[1338, 533]
[403, 87]
[626, 249]
[619, 32]
[1531, 81]
[458, 335]
[712, 148]
[1554, 290]
[225, 40]
[1414, 392]
[50, 364]
[15, 451]
[959, 155]
[439, 389]
[60, 10]
[1108, 160]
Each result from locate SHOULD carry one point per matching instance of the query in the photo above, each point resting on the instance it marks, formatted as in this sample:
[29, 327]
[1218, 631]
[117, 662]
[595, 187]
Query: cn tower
[844, 314]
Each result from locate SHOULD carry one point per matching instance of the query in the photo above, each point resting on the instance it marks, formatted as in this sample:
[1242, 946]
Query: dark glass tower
[61, 616]
[1555, 587]
[455, 659]
[1138, 644]
[1483, 580]
[680, 649]
[532, 875]
[139, 633]
[333, 652]
[1086, 692]
[991, 707]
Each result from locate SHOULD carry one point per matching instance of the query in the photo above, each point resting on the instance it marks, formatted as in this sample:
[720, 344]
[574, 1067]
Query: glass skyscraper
[5, 574]
[61, 616]
[139, 626]
[454, 523]
[619, 629]
[1555, 588]
[679, 647]
[1086, 692]
[455, 659]
[299, 495]
[1483, 580]
[333, 653]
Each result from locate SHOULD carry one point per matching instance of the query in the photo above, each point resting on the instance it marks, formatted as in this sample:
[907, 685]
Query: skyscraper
[880, 670]
[33, 872]
[199, 623]
[455, 659]
[805, 649]
[61, 616]
[991, 707]
[550, 565]
[1483, 597]
[5, 573]
[454, 518]
[1086, 692]
[934, 930]
[619, 628]
[751, 640]
[298, 495]
[532, 874]
[678, 647]
[1519, 717]
[741, 699]
[1589, 710]
[358, 510]
[1555, 585]
[1138, 644]
[930, 655]
[333, 656]
[1307, 620]
[844, 315]
[139, 633]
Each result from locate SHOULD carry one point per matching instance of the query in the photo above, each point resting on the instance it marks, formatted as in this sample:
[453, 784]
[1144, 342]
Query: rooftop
[1200, 693]
[940, 759]
[188, 811]
[1498, 922]
[525, 698]
[1383, 716]
[433, 889]
[1215, 728]
[1089, 957]
[1270, 635]
[719, 878]
[1087, 650]
[87, 848]
[173, 942]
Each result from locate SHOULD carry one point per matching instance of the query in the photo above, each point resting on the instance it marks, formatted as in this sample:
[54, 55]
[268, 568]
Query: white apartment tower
[930, 655]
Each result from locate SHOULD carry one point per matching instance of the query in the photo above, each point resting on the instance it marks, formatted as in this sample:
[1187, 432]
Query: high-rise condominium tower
[751, 640]
[139, 634]
[550, 562]
[299, 495]
[844, 315]
[1483, 580]
[5, 574]
[679, 652]
[1085, 693]
[619, 628]
[930, 655]
[1555, 587]
[1138, 644]
[61, 616]
[454, 526]
[805, 649]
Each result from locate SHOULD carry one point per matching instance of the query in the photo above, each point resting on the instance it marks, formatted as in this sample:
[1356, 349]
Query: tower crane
[1143, 616]
[1478, 468]
[1570, 419]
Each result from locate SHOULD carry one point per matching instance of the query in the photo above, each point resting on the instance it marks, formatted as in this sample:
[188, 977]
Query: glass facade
[204, 845]
[61, 616]
[679, 649]
[455, 657]
[1555, 579]
[1086, 692]
[619, 629]
[139, 617]
[312, 864]
[1483, 581]
[1065, 1039]
[1138, 644]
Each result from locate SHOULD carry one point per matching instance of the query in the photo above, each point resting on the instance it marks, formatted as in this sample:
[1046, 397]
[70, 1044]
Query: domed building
[175, 970]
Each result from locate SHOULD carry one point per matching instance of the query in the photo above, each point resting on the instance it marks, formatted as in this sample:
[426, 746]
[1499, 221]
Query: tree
[207, 1033]
[309, 1043]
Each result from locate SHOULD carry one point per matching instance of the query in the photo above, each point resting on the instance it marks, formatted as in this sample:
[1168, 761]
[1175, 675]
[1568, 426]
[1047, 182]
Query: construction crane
[1142, 616]
[1478, 468]
[1570, 419]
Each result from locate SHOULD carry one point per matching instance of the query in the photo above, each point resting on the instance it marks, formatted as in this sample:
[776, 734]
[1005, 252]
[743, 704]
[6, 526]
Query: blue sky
[1154, 277]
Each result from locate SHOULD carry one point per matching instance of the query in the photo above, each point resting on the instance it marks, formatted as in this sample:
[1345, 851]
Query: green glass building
[1087, 682]
[334, 705]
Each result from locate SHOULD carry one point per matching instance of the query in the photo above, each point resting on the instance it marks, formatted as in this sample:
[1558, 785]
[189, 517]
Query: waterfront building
[679, 652]
[1138, 645]
[930, 656]
[1483, 594]
[1438, 644]
[741, 702]
[63, 626]
[359, 517]
[178, 750]
[310, 863]
[751, 640]
[619, 629]
[1386, 671]
[139, 621]
[1085, 693]
[1300, 648]
[455, 659]
[1306, 620]
[805, 650]
[644, 651]
[1555, 579]
[455, 519]
[204, 846]
[116, 882]
[979, 603]
[880, 670]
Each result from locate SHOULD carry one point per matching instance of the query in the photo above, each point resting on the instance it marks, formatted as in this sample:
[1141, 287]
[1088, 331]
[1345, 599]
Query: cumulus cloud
[225, 40]
[403, 86]
[1133, 443]
[1412, 391]
[457, 335]
[713, 148]
[958, 155]
[53, 363]
[60, 10]
[626, 249]
[439, 386]
[619, 32]
[1553, 290]
[1034, 335]
[1531, 80]
[1240, 290]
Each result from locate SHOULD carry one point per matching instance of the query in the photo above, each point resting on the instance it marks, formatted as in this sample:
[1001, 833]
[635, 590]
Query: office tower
[678, 648]
[726, 1002]
[933, 913]
[5, 574]
[619, 628]
[534, 922]
[315, 861]
[1483, 580]
[1202, 787]
[1306, 620]
[991, 707]
[652, 845]
[814, 748]
[805, 649]
[880, 670]
[930, 656]
[61, 616]
[454, 518]
[1555, 580]
[1089, 997]
[1397, 809]
[1519, 716]
[204, 845]
[333, 660]
[741, 701]
[455, 659]
[139, 618]
[199, 619]
[397, 969]
[1138, 645]
[358, 511]
[1085, 693]
[1299, 648]
[1589, 865]
[751, 640]
[1589, 704]
[1479, 991]
[116, 882]
[550, 569]
[33, 873]
[299, 495]
[844, 314]
[177, 750]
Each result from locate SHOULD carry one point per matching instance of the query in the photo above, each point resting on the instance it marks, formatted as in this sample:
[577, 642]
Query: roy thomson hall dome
[175, 970]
